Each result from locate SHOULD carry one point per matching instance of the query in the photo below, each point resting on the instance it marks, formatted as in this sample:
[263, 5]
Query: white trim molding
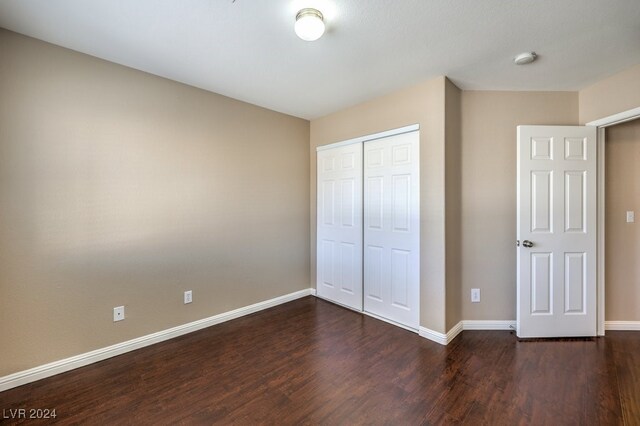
[61, 366]
[601, 124]
[441, 338]
[622, 325]
[392, 132]
[614, 119]
[601, 221]
[488, 325]
[434, 336]
[455, 330]
[445, 339]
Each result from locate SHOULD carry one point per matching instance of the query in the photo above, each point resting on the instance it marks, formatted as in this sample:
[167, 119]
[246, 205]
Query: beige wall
[121, 188]
[479, 210]
[618, 93]
[488, 167]
[453, 203]
[622, 288]
[424, 105]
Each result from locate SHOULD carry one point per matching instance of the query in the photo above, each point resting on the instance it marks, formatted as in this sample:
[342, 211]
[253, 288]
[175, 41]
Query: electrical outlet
[188, 297]
[631, 217]
[118, 313]
[475, 295]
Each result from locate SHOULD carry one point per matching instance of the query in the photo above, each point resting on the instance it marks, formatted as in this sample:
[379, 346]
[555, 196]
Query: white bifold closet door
[392, 228]
[339, 215]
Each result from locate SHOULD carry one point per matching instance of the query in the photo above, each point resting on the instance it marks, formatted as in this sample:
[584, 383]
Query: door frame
[379, 135]
[601, 125]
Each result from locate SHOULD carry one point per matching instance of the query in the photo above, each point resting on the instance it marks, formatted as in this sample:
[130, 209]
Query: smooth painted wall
[622, 242]
[618, 93]
[488, 190]
[453, 203]
[423, 104]
[121, 188]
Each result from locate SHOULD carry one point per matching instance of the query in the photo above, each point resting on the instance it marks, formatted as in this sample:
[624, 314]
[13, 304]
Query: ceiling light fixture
[525, 58]
[309, 24]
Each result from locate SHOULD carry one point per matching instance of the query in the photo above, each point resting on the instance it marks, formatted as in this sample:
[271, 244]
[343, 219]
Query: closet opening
[368, 232]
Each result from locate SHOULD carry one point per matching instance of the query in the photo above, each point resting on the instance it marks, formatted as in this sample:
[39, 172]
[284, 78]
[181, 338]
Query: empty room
[329, 212]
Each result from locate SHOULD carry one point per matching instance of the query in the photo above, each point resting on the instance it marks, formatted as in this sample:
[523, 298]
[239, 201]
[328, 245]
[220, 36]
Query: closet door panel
[339, 247]
[392, 228]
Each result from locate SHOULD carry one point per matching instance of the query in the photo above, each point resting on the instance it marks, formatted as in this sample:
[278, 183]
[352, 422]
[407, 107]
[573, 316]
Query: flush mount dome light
[525, 58]
[309, 24]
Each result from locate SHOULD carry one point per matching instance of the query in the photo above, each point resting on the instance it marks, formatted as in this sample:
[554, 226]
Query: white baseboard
[441, 338]
[313, 291]
[445, 339]
[488, 325]
[434, 336]
[57, 367]
[455, 330]
[622, 325]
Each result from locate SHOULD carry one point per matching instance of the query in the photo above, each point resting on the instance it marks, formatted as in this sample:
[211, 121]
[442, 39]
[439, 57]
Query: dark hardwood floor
[310, 362]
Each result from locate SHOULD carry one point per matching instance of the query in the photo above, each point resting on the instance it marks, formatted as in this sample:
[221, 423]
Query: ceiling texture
[247, 49]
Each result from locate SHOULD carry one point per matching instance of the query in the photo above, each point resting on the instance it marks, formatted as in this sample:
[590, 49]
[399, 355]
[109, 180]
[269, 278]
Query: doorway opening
[602, 124]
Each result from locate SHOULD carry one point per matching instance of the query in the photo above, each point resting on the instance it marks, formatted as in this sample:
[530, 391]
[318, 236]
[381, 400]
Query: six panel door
[556, 228]
[392, 228]
[339, 239]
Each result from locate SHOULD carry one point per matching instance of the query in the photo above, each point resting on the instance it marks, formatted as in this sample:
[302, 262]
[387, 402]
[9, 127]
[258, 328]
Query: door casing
[602, 124]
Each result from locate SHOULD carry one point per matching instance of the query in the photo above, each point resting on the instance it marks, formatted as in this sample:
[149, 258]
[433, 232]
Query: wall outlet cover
[118, 313]
[475, 295]
[631, 217]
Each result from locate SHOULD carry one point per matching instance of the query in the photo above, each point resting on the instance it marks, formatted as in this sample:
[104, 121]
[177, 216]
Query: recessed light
[525, 58]
[309, 24]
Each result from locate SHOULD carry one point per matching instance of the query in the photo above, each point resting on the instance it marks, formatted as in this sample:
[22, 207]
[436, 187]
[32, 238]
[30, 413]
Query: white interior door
[339, 240]
[392, 228]
[556, 231]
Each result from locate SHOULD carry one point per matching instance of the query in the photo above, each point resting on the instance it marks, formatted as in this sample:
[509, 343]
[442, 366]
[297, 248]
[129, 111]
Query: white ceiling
[247, 49]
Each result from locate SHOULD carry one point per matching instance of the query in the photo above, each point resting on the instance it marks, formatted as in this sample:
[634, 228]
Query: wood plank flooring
[311, 362]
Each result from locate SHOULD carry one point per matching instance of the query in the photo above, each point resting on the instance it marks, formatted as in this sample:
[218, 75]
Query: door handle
[527, 244]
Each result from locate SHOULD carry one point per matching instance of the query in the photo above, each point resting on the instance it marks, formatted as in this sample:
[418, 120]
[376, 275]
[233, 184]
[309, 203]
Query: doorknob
[527, 244]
